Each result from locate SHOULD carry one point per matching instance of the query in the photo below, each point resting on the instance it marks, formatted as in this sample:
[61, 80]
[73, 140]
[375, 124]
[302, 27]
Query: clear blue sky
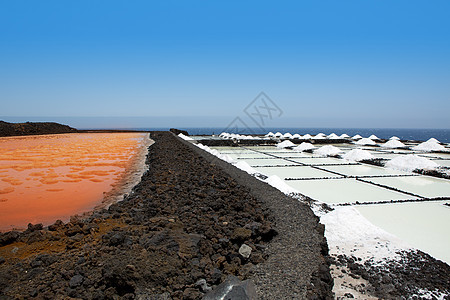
[325, 63]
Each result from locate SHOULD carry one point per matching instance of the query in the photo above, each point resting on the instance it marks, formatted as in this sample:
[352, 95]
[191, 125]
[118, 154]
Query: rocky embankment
[404, 277]
[179, 234]
[31, 128]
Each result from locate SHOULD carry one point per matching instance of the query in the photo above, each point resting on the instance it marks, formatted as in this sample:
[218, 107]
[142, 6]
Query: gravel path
[297, 266]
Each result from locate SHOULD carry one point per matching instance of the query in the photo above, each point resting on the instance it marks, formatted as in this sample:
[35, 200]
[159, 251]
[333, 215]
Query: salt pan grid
[398, 204]
[319, 180]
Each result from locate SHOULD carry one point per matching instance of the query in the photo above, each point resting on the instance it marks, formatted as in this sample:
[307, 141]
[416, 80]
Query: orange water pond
[49, 177]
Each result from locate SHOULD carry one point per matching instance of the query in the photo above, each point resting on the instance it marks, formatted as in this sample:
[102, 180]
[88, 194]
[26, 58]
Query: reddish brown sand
[49, 177]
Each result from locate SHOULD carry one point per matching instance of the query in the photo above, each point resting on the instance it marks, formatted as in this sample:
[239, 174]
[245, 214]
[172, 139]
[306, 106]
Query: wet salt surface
[424, 186]
[339, 191]
[49, 177]
[245, 155]
[295, 172]
[321, 161]
[290, 154]
[269, 162]
[411, 222]
[363, 170]
[443, 163]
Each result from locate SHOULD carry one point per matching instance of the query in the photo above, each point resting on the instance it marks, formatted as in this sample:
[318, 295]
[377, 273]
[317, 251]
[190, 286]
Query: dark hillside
[32, 128]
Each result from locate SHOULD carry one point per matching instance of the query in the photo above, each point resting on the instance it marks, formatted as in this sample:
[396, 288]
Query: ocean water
[443, 135]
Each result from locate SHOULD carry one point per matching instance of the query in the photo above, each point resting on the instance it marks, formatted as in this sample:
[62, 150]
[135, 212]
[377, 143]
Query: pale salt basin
[49, 177]
[411, 222]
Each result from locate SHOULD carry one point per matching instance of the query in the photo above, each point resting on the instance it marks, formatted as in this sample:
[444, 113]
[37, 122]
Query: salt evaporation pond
[48, 177]
[246, 155]
[444, 163]
[424, 225]
[295, 172]
[269, 162]
[290, 154]
[339, 191]
[421, 185]
[321, 161]
[362, 170]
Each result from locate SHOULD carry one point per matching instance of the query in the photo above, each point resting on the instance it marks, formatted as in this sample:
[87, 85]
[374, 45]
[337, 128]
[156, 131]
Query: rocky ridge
[33, 128]
[187, 227]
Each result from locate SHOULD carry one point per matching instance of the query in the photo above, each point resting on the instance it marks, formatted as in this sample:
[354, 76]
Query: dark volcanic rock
[8, 237]
[175, 229]
[410, 275]
[30, 128]
[178, 131]
[76, 281]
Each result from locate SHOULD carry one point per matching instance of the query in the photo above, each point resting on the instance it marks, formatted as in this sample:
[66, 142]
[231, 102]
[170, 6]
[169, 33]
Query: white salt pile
[280, 184]
[394, 138]
[216, 153]
[393, 144]
[357, 137]
[184, 137]
[285, 144]
[245, 167]
[344, 136]
[287, 135]
[358, 155]
[365, 141]
[428, 146]
[225, 135]
[278, 134]
[327, 150]
[410, 163]
[307, 136]
[333, 136]
[236, 136]
[320, 136]
[433, 140]
[373, 137]
[303, 147]
[296, 136]
[270, 134]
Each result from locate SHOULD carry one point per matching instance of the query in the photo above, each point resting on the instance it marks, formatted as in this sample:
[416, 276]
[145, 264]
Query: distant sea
[443, 135]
